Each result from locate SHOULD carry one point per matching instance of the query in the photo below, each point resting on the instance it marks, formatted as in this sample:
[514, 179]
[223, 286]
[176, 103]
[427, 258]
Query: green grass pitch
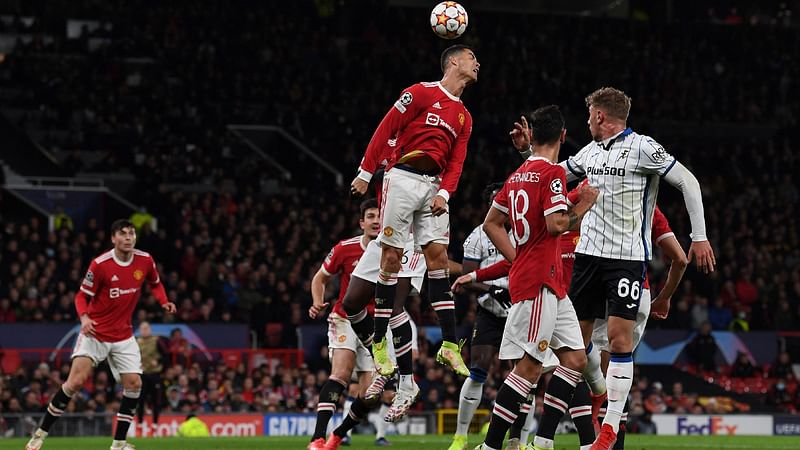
[563, 442]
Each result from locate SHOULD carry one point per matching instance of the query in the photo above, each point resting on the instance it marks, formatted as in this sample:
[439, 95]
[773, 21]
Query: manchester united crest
[138, 275]
[543, 345]
[461, 118]
[388, 231]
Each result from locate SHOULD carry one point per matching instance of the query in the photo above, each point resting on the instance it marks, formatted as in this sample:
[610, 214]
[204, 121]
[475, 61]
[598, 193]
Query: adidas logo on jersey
[437, 105]
[114, 278]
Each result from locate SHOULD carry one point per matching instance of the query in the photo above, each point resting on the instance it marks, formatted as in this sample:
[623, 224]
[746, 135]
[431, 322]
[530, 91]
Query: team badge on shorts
[388, 231]
[342, 338]
[138, 275]
[543, 345]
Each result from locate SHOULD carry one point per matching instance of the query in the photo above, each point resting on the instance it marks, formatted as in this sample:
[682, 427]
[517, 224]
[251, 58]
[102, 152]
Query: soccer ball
[448, 20]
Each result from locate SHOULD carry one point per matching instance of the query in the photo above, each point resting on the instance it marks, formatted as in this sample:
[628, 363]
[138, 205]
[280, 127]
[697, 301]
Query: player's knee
[132, 383]
[575, 360]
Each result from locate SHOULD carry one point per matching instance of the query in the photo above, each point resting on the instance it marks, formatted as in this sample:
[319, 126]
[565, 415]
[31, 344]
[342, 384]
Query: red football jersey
[426, 119]
[342, 260]
[569, 240]
[114, 287]
[534, 191]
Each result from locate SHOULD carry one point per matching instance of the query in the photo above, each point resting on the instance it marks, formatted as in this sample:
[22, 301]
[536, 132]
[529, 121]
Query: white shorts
[341, 335]
[536, 326]
[123, 356]
[413, 265]
[407, 199]
[600, 331]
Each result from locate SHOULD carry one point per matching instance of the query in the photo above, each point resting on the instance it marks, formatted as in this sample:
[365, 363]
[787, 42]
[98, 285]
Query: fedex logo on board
[705, 425]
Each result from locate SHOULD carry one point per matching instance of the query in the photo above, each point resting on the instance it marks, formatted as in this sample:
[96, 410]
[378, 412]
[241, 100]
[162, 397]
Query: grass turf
[563, 442]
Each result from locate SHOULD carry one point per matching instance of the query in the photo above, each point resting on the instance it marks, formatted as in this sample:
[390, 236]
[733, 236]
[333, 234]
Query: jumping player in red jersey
[539, 318]
[348, 354]
[105, 303]
[431, 128]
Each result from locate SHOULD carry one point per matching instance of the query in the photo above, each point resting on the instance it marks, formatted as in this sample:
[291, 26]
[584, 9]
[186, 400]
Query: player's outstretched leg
[55, 409]
[385, 291]
[442, 301]
[515, 441]
[406, 387]
[329, 397]
[581, 412]
[511, 395]
[80, 370]
[132, 390]
[557, 397]
[358, 412]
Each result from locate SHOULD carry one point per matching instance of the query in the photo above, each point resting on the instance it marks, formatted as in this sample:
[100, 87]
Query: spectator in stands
[742, 367]
[719, 315]
[643, 424]
[153, 351]
[740, 323]
[782, 368]
[702, 349]
[699, 312]
[784, 317]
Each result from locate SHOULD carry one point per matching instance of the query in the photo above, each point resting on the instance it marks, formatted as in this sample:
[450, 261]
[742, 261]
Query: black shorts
[597, 282]
[488, 329]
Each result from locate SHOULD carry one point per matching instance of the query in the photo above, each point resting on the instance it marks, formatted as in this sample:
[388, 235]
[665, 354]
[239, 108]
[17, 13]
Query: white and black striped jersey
[478, 247]
[626, 169]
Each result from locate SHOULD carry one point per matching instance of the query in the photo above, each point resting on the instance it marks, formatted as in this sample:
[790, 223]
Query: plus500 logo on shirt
[116, 292]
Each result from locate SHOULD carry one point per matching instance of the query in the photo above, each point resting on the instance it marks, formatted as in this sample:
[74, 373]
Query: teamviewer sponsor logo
[116, 292]
[435, 120]
[705, 426]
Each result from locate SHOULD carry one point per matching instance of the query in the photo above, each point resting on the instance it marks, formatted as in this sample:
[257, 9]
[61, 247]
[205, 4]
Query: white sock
[406, 382]
[348, 402]
[527, 429]
[380, 426]
[592, 373]
[586, 447]
[468, 401]
[117, 444]
[619, 381]
[486, 447]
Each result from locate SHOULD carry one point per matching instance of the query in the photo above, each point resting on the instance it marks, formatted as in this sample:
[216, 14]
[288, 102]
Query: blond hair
[612, 101]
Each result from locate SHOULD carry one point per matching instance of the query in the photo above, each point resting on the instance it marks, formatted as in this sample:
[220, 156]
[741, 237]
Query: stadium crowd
[151, 96]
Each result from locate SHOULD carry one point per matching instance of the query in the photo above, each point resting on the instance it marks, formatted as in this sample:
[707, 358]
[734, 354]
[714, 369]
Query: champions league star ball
[448, 20]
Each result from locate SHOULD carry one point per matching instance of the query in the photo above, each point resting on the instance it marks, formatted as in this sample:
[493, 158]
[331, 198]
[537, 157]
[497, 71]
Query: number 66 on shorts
[599, 282]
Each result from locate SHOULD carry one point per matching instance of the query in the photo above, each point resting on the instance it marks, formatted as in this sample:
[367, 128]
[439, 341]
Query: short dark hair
[546, 124]
[369, 203]
[451, 51]
[490, 191]
[119, 224]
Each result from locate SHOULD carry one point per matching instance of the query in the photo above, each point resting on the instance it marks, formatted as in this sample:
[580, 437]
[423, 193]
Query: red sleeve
[159, 293]
[661, 228]
[152, 274]
[497, 270]
[572, 196]
[90, 285]
[553, 183]
[333, 262]
[81, 303]
[455, 163]
[405, 109]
